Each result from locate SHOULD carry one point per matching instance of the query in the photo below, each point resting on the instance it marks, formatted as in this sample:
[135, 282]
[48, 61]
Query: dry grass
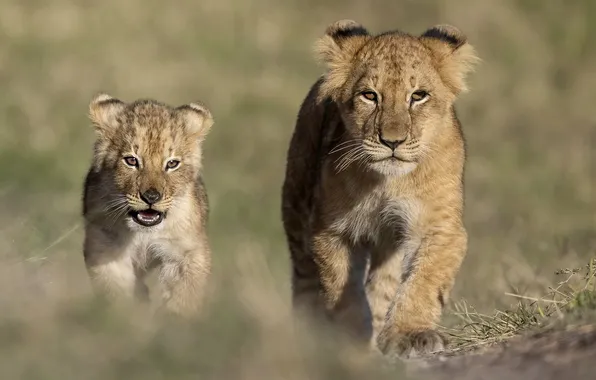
[573, 296]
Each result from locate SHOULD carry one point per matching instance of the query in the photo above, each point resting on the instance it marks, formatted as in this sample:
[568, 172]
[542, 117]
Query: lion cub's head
[394, 91]
[150, 152]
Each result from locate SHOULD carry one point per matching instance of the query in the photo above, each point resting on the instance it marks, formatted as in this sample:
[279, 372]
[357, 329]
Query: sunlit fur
[393, 65]
[375, 232]
[118, 250]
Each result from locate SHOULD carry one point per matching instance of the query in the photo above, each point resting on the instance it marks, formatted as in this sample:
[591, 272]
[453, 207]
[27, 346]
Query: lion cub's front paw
[410, 345]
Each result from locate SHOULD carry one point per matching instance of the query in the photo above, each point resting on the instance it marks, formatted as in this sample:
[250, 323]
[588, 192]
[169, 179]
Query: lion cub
[373, 194]
[144, 202]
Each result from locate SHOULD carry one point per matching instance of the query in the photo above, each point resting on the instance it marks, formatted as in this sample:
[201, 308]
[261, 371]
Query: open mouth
[147, 218]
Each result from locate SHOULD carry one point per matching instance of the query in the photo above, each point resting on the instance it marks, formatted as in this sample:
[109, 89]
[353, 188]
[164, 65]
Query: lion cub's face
[152, 153]
[394, 91]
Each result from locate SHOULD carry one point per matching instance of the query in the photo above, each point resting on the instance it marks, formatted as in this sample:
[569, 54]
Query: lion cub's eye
[419, 95]
[131, 161]
[369, 95]
[172, 164]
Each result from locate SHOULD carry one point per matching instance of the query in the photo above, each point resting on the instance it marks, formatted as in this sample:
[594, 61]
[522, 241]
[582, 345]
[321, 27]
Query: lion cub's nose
[391, 142]
[151, 196]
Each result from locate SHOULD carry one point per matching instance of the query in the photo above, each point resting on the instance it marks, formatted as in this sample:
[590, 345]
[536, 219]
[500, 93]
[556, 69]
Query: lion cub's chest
[378, 217]
[146, 249]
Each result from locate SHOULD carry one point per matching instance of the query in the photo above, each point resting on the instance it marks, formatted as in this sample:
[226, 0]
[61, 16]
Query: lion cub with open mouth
[144, 201]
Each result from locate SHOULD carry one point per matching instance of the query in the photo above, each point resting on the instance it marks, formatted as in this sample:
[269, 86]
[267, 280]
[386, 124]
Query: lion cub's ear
[198, 119]
[103, 112]
[336, 48]
[341, 41]
[455, 57]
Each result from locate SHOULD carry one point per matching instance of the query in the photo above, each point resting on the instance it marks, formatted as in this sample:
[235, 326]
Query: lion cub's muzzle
[397, 148]
[149, 216]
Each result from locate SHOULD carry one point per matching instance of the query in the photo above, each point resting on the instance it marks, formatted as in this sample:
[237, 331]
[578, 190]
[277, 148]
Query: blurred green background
[529, 120]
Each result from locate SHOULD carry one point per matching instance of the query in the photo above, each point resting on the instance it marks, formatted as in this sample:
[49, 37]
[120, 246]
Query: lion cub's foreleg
[112, 271]
[341, 269]
[184, 278]
[425, 286]
[383, 280]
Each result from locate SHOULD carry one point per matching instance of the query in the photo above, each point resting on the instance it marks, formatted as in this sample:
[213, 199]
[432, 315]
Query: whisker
[426, 153]
[348, 141]
[116, 215]
[347, 160]
[346, 154]
[335, 150]
[362, 159]
[345, 145]
[114, 205]
[340, 162]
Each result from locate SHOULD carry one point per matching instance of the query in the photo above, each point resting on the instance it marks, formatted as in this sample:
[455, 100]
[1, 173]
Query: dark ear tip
[196, 106]
[345, 28]
[447, 33]
[101, 98]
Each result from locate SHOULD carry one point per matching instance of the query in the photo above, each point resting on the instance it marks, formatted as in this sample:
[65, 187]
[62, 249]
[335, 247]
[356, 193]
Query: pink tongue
[148, 215]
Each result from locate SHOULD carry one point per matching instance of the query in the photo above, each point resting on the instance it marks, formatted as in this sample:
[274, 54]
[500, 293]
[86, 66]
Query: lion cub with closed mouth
[373, 193]
[144, 203]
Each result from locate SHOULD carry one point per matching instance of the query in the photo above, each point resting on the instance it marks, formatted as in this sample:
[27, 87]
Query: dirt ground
[550, 354]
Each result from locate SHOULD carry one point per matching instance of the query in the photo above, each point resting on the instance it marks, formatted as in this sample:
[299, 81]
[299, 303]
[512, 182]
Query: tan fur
[375, 229]
[118, 251]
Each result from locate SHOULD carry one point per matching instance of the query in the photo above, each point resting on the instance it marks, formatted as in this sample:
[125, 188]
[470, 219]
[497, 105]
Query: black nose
[151, 196]
[391, 143]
